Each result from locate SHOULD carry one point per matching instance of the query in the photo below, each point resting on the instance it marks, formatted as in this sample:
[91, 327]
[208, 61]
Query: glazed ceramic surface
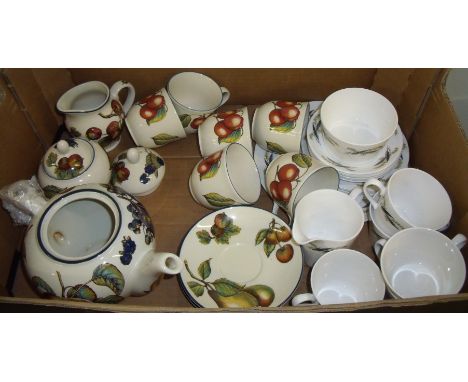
[357, 123]
[240, 257]
[326, 220]
[94, 112]
[343, 276]
[418, 262]
[221, 129]
[291, 176]
[226, 178]
[411, 198]
[94, 243]
[138, 171]
[278, 126]
[195, 97]
[153, 121]
[72, 162]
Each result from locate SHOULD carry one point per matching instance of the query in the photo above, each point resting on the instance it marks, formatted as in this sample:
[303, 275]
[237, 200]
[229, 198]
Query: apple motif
[156, 102]
[195, 124]
[221, 130]
[116, 107]
[147, 113]
[271, 237]
[290, 113]
[234, 122]
[275, 117]
[113, 130]
[75, 161]
[282, 104]
[203, 167]
[62, 164]
[213, 158]
[143, 101]
[225, 114]
[283, 234]
[121, 172]
[285, 253]
[93, 133]
[285, 190]
[274, 190]
[288, 172]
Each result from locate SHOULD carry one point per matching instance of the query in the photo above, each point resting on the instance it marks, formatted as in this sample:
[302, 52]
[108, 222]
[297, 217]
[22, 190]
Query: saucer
[239, 257]
[379, 218]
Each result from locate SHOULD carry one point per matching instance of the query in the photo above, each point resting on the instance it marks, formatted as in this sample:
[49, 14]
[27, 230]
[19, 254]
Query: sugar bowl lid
[138, 171]
[68, 158]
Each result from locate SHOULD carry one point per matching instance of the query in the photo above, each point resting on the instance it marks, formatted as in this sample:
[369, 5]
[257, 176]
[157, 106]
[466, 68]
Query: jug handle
[225, 95]
[115, 90]
[304, 297]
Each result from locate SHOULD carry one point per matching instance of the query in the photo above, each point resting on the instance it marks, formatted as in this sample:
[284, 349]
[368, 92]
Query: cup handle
[225, 95]
[115, 90]
[373, 182]
[378, 246]
[304, 297]
[459, 240]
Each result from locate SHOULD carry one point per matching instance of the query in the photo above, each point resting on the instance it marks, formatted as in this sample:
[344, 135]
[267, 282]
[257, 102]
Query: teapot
[94, 112]
[94, 243]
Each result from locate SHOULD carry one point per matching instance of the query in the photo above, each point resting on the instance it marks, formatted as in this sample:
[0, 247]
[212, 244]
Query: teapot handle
[115, 90]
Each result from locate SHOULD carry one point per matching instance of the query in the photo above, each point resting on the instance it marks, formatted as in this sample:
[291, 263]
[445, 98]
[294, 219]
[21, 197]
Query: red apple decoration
[274, 190]
[203, 167]
[225, 114]
[221, 130]
[290, 113]
[288, 172]
[93, 133]
[275, 117]
[285, 190]
[113, 130]
[75, 161]
[213, 158]
[122, 174]
[195, 124]
[234, 122]
[116, 107]
[62, 164]
[143, 101]
[147, 113]
[156, 102]
[282, 104]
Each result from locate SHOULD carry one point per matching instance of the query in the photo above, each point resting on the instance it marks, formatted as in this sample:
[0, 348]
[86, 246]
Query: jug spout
[162, 263]
[298, 235]
[84, 98]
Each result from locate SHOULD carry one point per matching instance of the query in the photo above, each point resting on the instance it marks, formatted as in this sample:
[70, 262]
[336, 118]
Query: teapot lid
[68, 158]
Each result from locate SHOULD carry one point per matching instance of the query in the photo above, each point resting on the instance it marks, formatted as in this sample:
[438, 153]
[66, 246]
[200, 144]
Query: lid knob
[63, 147]
[133, 155]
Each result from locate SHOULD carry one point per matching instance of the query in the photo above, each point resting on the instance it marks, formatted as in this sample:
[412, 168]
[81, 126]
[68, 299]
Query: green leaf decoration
[223, 239]
[82, 292]
[302, 160]
[185, 119]
[111, 299]
[42, 287]
[232, 229]
[261, 235]
[160, 114]
[152, 159]
[211, 172]
[231, 138]
[285, 127]
[204, 237]
[218, 200]
[196, 288]
[275, 148]
[50, 191]
[108, 275]
[51, 159]
[204, 269]
[226, 288]
[268, 248]
[75, 132]
[164, 139]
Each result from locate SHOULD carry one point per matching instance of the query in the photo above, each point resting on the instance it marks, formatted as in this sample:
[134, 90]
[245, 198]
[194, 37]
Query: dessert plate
[239, 257]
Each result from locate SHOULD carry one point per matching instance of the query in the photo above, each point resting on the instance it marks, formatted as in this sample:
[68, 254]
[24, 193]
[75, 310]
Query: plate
[233, 259]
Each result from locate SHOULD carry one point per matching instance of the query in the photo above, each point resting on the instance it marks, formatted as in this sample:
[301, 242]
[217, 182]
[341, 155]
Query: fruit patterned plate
[240, 257]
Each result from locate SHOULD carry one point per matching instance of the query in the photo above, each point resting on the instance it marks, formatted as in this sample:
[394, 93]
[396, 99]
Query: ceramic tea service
[93, 111]
[94, 243]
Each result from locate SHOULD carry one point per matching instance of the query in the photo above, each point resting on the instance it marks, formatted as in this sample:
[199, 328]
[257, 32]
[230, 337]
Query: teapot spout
[163, 263]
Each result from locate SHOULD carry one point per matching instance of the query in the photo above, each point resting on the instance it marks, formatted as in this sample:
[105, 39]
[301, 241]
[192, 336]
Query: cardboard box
[29, 122]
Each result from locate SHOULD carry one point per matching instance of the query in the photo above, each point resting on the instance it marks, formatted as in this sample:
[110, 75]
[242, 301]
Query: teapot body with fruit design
[94, 243]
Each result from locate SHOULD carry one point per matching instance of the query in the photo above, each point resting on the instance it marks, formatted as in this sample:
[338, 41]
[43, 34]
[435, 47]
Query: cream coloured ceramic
[94, 243]
[240, 257]
[138, 171]
[195, 97]
[418, 262]
[93, 111]
[290, 177]
[325, 220]
[72, 162]
[223, 128]
[278, 126]
[343, 276]
[226, 178]
[411, 198]
[153, 121]
[357, 123]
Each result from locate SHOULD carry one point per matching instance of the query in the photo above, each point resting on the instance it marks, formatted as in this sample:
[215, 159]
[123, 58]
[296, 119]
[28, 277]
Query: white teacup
[221, 129]
[420, 262]
[343, 276]
[379, 228]
[325, 220]
[411, 198]
[226, 178]
[357, 123]
[195, 96]
[278, 126]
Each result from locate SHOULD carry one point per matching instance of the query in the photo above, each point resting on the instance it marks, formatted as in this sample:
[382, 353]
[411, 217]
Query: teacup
[278, 126]
[379, 227]
[418, 262]
[290, 177]
[357, 123]
[226, 178]
[221, 129]
[411, 198]
[153, 121]
[343, 276]
[326, 220]
[195, 97]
